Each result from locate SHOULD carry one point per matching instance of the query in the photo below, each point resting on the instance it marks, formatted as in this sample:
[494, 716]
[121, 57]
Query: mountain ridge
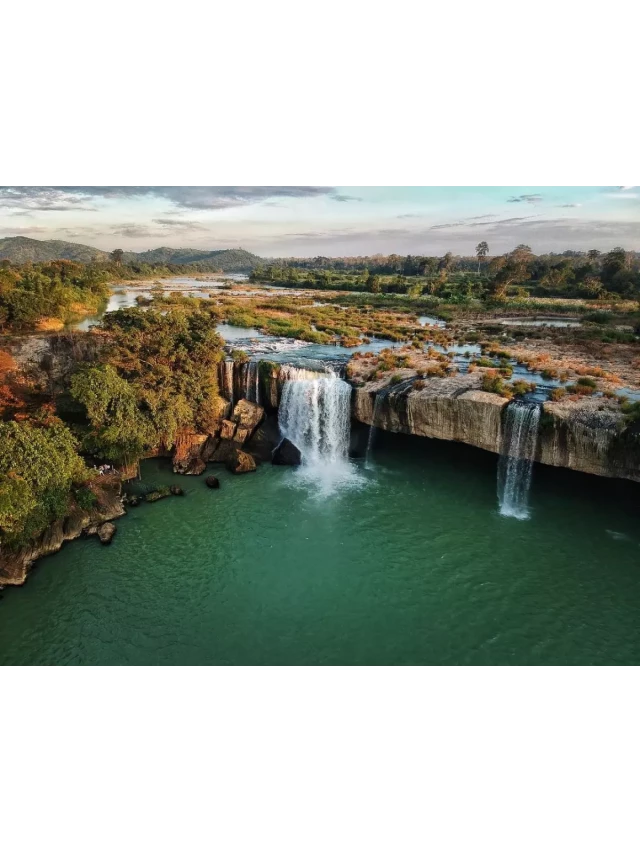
[21, 250]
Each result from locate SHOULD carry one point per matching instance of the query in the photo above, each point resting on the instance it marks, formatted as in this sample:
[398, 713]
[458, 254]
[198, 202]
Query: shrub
[587, 382]
[494, 384]
[84, 497]
[435, 370]
[522, 387]
[558, 394]
[582, 390]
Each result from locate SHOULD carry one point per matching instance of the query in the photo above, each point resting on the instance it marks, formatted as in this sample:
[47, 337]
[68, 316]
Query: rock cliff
[579, 434]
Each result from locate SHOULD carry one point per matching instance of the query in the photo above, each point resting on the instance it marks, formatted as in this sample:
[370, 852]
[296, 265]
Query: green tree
[118, 429]
[116, 256]
[38, 464]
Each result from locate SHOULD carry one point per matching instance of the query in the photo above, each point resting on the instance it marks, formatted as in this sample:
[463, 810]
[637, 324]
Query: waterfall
[368, 459]
[226, 379]
[315, 414]
[251, 381]
[519, 442]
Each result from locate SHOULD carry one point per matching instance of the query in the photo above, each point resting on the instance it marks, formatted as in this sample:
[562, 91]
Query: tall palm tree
[482, 250]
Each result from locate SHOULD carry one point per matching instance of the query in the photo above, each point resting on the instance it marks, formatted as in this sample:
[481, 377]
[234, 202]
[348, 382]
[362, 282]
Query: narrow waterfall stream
[251, 381]
[520, 436]
[368, 460]
[315, 414]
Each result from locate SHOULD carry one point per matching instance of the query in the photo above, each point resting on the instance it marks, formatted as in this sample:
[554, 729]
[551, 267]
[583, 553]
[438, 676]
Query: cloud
[446, 225]
[186, 198]
[43, 198]
[482, 216]
[180, 224]
[575, 204]
[409, 215]
[136, 231]
[24, 232]
[469, 224]
[532, 198]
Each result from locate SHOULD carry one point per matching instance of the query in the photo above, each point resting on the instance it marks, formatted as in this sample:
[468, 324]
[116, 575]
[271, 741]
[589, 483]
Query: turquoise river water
[406, 561]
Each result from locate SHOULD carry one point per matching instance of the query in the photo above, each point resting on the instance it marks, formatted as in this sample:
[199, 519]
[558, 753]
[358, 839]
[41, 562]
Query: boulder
[224, 450]
[227, 429]
[264, 440]
[240, 462]
[209, 448]
[286, 453]
[247, 416]
[212, 482]
[157, 495]
[242, 435]
[176, 490]
[106, 532]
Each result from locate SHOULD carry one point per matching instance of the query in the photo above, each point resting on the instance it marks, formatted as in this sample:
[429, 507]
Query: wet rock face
[212, 482]
[286, 453]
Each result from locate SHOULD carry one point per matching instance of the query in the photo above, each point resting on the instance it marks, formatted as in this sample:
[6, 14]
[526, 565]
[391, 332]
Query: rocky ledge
[14, 566]
[579, 434]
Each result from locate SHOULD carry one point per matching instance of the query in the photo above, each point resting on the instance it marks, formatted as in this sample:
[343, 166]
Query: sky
[306, 221]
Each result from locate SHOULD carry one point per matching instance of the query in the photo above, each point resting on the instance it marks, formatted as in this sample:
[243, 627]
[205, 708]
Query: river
[408, 562]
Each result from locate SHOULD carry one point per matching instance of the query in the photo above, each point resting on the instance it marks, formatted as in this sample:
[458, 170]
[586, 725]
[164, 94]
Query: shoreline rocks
[106, 532]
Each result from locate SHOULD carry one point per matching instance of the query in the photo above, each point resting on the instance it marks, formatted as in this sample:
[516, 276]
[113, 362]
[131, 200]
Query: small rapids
[515, 466]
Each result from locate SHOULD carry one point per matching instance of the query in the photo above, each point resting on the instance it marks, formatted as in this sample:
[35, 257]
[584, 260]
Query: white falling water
[252, 381]
[227, 375]
[368, 460]
[315, 414]
[516, 459]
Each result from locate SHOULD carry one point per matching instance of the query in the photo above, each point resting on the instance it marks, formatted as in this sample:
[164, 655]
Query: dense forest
[152, 377]
[587, 275]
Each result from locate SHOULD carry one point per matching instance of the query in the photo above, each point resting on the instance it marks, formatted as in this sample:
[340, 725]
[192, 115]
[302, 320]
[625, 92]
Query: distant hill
[19, 250]
[228, 260]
